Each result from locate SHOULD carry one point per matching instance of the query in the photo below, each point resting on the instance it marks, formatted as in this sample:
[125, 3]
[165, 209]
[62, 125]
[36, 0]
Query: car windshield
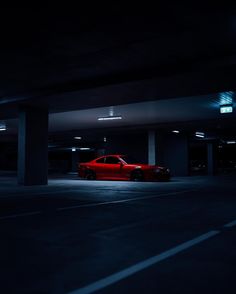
[129, 159]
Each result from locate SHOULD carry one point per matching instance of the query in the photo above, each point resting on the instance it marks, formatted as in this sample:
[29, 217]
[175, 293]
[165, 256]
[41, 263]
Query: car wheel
[90, 175]
[137, 176]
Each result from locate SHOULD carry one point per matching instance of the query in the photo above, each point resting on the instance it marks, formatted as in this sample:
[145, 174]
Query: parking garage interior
[164, 93]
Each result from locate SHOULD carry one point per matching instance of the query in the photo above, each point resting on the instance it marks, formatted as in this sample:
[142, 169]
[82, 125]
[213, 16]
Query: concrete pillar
[33, 146]
[160, 147]
[210, 159]
[152, 147]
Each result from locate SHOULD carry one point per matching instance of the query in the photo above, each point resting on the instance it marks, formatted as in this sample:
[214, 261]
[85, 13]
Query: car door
[112, 167]
[98, 167]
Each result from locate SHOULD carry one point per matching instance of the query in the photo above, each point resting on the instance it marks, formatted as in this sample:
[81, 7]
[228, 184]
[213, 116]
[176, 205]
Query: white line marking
[93, 204]
[31, 195]
[20, 215]
[122, 200]
[114, 278]
[231, 224]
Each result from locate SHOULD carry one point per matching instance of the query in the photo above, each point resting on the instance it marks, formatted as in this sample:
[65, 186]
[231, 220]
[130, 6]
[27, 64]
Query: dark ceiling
[79, 63]
[74, 60]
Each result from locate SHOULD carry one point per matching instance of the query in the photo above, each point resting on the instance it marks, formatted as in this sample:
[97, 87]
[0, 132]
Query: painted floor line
[94, 204]
[20, 215]
[231, 224]
[31, 195]
[114, 278]
[122, 200]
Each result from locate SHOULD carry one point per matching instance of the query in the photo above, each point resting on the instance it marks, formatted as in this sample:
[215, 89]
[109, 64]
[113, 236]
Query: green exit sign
[226, 109]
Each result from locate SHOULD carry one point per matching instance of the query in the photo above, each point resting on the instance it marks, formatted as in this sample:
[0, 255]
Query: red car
[121, 167]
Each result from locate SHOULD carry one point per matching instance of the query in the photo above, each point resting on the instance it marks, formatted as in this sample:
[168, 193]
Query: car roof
[115, 155]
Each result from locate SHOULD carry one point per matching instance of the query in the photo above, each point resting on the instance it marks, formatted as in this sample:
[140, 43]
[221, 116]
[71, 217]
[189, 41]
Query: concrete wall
[8, 156]
[135, 145]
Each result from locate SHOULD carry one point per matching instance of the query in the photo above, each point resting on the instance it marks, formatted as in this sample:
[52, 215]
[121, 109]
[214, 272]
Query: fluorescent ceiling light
[200, 134]
[226, 102]
[226, 97]
[230, 142]
[226, 108]
[110, 118]
[84, 148]
[73, 149]
[111, 111]
[3, 126]
[77, 138]
[175, 131]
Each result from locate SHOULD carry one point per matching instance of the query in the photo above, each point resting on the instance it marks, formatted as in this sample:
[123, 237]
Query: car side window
[101, 160]
[112, 160]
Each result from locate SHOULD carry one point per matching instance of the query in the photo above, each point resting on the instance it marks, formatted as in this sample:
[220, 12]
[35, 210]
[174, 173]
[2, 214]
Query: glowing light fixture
[3, 126]
[200, 134]
[111, 115]
[231, 142]
[77, 138]
[226, 108]
[84, 148]
[110, 118]
[73, 149]
[226, 97]
[226, 102]
[175, 131]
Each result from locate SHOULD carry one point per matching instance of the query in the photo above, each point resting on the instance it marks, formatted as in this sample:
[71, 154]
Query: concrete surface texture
[76, 236]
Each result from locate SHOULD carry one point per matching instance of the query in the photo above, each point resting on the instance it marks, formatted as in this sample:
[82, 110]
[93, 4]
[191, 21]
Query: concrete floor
[77, 236]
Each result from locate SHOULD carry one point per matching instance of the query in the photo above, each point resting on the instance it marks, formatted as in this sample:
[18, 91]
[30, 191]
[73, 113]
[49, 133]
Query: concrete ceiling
[162, 68]
[155, 113]
[44, 54]
[142, 113]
